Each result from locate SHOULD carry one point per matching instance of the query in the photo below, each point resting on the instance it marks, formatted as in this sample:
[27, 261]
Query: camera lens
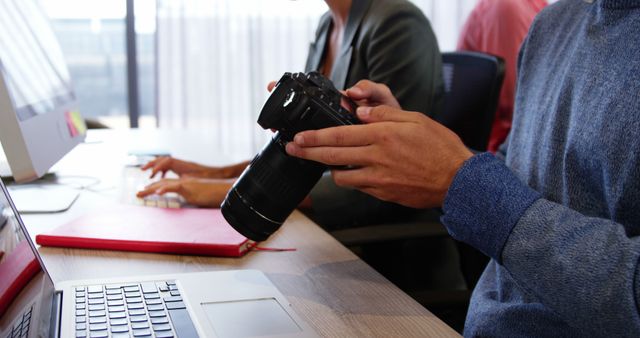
[268, 191]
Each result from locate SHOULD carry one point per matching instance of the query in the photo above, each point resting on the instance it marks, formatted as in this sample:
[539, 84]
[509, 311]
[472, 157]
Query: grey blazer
[387, 41]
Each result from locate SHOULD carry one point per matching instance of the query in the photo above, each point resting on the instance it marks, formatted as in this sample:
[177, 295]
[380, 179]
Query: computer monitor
[39, 120]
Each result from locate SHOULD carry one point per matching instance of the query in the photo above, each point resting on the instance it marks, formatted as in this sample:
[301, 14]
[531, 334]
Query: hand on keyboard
[195, 191]
[162, 165]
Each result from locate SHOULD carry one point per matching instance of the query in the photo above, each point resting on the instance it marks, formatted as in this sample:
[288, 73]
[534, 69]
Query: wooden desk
[332, 289]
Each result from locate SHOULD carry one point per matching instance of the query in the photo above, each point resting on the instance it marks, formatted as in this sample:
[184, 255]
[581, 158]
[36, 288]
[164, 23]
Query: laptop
[240, 303]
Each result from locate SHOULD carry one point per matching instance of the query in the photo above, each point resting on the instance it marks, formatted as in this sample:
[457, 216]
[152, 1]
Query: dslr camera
[274, 183]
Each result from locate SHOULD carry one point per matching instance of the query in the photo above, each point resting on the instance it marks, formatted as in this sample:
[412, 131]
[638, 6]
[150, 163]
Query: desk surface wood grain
[328, 286]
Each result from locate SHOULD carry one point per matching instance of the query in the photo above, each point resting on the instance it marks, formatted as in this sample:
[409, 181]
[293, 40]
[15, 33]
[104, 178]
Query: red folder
[146, 229]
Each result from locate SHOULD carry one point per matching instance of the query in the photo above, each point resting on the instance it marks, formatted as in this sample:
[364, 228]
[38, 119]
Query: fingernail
[363, 112]
[299, 139]
[355, 90]
[291, 148]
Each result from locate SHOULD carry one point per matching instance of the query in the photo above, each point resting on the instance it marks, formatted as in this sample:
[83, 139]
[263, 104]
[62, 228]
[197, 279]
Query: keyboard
[21, 325]
[149, 309]
[135, 180]
[169, 200]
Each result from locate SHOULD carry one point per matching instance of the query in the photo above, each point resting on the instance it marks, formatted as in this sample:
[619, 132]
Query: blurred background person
[355, 40]
[498, 27]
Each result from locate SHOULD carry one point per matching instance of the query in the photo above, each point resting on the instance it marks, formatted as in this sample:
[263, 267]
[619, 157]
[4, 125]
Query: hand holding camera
[274, 183]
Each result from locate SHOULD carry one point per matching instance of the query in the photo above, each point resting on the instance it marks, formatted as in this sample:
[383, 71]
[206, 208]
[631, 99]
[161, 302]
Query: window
[93, 39]
[222, 33]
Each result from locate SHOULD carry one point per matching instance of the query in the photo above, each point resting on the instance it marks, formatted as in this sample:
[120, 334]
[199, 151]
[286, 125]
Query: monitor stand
[5, 171]
[43, 196]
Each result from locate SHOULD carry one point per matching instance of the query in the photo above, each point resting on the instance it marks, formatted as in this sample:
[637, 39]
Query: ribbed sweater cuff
[484, 203]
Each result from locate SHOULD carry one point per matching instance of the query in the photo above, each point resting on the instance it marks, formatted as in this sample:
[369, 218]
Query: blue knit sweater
[560, 214]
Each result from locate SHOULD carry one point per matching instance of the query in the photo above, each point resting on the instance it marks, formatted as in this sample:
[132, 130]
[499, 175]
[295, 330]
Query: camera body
[301, 102]
[274, 183]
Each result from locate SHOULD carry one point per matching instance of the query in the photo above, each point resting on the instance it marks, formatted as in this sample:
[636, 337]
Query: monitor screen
[35, 71]
[39, 119]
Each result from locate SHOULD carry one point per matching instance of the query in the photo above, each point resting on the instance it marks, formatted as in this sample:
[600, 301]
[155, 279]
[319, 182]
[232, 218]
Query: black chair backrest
[472, 88]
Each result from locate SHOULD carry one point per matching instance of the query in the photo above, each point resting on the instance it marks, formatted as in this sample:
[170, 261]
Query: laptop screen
[26, 290]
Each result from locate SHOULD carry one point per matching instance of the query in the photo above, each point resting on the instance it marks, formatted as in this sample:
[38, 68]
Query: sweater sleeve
[484, 202]
[581, 267]
[578, 266]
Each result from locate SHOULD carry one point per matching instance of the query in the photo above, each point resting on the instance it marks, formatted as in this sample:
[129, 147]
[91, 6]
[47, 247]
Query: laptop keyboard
[149, 309]
[21, 326]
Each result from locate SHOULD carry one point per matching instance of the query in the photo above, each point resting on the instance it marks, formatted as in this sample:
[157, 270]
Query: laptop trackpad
[249, 318]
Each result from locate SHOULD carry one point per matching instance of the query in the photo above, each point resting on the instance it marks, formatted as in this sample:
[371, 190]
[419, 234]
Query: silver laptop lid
[26, 289]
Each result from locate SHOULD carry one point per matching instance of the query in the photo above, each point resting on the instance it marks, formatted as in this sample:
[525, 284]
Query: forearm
[230, 171]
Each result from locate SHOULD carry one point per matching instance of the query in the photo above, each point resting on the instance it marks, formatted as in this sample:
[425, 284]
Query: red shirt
[498, 27]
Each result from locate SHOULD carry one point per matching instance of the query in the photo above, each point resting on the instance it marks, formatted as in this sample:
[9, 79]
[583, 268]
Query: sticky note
[75, 122]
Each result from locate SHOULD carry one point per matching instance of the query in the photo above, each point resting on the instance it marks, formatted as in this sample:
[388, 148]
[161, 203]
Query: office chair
[472, 87]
